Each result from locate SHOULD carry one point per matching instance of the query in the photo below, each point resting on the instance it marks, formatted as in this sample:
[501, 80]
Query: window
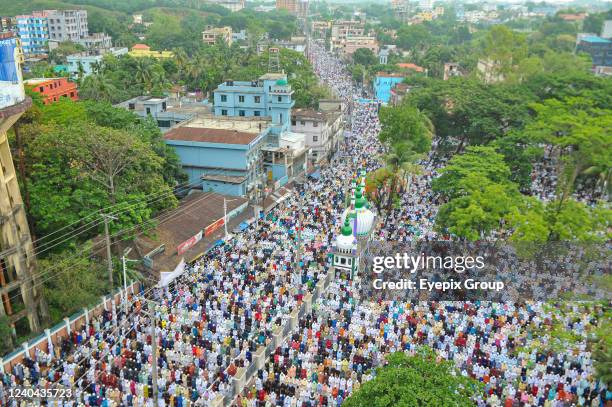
[131, 106]
[302, 123]
[293, 122]
[241, 113]
[256, 113]
[223, 112]
[41, 89]
[241, 98]
[280, 117]
[148, 110]
[71, 94]
[280, 98]
[315, 138]
[257, 99]
[315, 124]
[224, 98]
[343, 260]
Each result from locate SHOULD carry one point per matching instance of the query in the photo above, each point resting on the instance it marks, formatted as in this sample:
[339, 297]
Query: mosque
[352, 242]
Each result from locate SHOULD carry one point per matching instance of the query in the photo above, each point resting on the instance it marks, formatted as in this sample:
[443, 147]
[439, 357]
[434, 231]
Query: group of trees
[75, 159]
[494, 132]
[120, 78]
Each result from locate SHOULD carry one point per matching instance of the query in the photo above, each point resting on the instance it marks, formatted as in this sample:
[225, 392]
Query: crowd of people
[209, 322]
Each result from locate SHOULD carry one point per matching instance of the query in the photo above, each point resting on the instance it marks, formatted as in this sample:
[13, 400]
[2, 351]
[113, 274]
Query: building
[451, 69]
[342, 29]
[197, 225]
[223, 154]
[384, 82]
[290, 5]
[352, 44]
[212, 34]
[270, 95]
[383, 56]
[33, 30]
[600, 49]
[53, 89]
[167, 112]
[137, 18]
[67, 25]
[319, 29]
[8, 23]
[489, 71]
[322, 129]
[85, 63]
[303, 7]
[398, 92]
[144, 51]
[22, 301]
[297, 44]
[573, 18]
[233, 5]
[96, 41]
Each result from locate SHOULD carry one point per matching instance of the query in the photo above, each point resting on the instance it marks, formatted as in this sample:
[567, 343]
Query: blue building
[270, 96]
[33, 30]
[222, 160]
[246, 148]
[600, 49]
[384, 82]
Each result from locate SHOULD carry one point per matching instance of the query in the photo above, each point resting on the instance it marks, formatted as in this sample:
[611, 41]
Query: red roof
[144, 47]
[414, 67]
[206, 135]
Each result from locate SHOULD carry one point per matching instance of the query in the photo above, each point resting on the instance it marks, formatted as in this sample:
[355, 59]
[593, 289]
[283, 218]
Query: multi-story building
[211, 34]
[289, 5]
[352, 44]
[248, 136]
[322, 129]
[600, 49]
[319, 29]
[33, 30]
[343, 29]
[96, 41]
[222, 154]
[67, 25]
[53, 89]
[270, 95]
[21, 294]
[85, 63]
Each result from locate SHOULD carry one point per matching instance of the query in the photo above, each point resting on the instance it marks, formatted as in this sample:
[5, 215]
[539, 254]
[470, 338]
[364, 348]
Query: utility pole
[225, 215]
[107, 218]
[124, 261]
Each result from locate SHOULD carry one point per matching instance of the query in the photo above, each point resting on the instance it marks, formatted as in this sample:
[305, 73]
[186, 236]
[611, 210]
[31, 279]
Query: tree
[77, 283]
[98, 87]
[412, 381]
[479, 161]
[364, 57]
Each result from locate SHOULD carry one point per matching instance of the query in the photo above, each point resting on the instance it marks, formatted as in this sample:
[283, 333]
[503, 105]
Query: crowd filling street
[211, 320]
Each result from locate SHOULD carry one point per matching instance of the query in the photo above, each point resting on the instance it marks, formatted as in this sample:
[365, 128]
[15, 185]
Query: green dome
[360, 201]
[281, 82]
[346, 229]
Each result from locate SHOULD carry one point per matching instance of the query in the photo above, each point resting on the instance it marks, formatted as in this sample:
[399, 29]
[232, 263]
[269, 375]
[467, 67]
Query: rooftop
[208, 135]
[249, 124]
[595, 39]
[140, 46]
[411, 66]
[224, 178]
[390, 75]
[310, 114]
[273, 76]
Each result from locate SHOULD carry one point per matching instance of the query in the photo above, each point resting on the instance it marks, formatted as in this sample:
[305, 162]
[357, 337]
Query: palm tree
[98, 87]
[400, 162]
[144, 73]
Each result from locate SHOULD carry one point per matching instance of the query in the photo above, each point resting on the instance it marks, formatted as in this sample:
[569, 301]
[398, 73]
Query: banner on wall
[189, 243]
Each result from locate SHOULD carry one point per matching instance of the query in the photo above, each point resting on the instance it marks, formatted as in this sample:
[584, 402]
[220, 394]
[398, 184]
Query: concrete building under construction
[21, 295]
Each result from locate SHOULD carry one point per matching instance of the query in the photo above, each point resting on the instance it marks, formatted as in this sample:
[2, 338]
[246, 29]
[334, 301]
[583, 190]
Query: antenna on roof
[273, 60]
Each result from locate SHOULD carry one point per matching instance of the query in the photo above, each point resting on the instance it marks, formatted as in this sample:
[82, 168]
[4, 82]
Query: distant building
[33, 30]
[7, 23]
[297, 44]
[289, 5]
[383, 56]
[233, 5]
[573, 18]
[352, 44]
[211, 34]
[398, 92]
[137, 18]
[411, 67]
[144, 51]
[96, 40]
[600, 49]
[53, 89]
[319, 29]
[384, 82]
[451, 69]
[85, 63]
[489, 71]
[67, 25]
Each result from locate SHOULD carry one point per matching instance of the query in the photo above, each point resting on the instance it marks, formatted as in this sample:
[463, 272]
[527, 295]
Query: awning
[241, 227]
